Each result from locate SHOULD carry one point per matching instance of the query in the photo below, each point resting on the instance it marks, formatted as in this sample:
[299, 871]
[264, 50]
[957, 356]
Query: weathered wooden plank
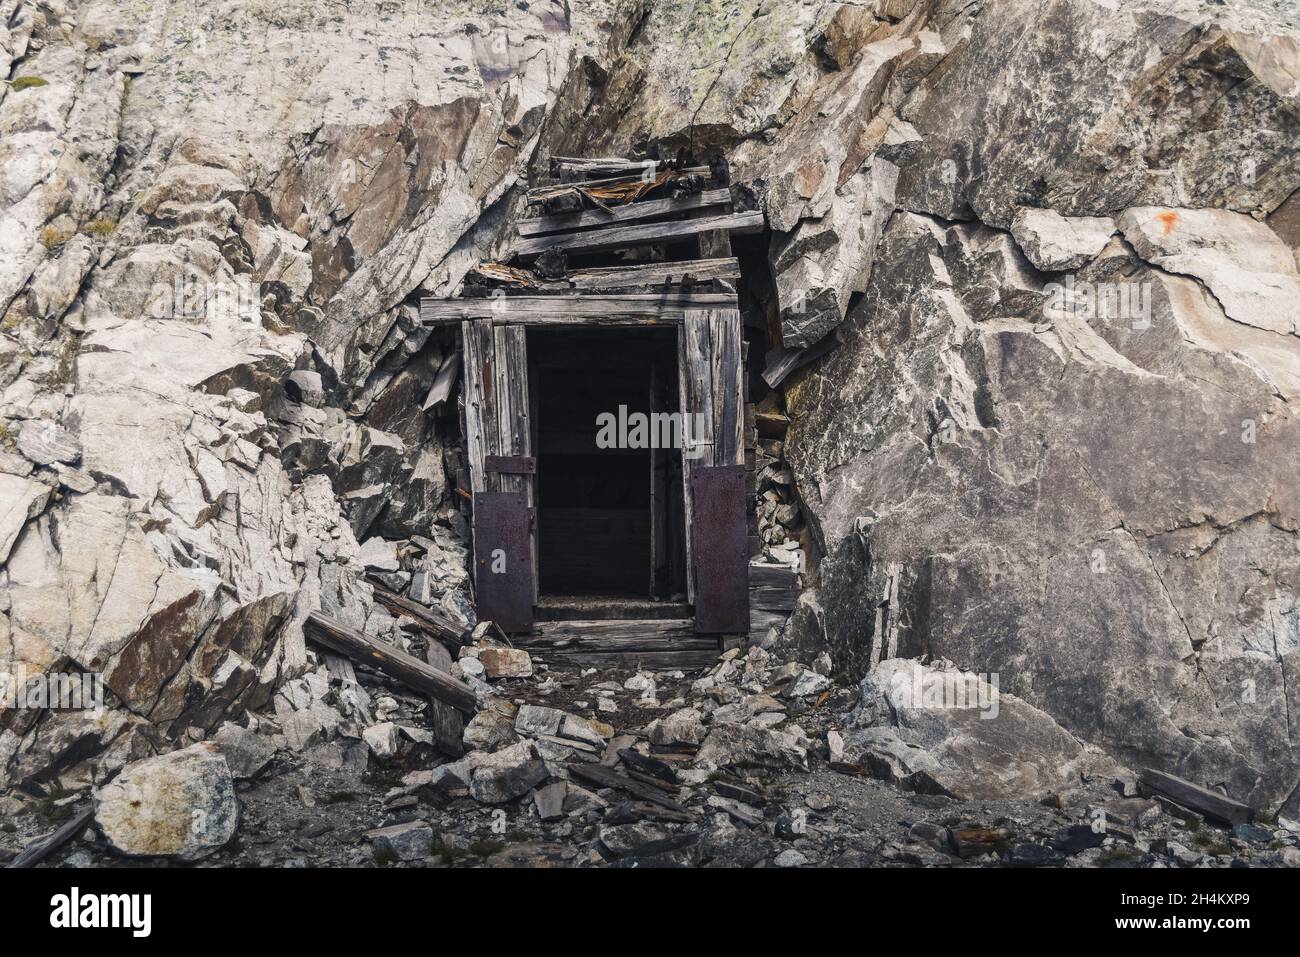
[42, 848]
[475, 335]
[628, 309]
[514, 434]
[617, 237]
[613, 633]
[538, 194]
[511, 464]
[654, 274]
[425, 618]
[604, 777]
[445, 721]
[727, 387]
[391, 661]
[1202, 800]
[632, 212]
[773, 587]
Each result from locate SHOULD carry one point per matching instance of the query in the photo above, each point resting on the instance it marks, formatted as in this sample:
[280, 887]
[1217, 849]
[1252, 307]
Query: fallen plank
[42, 848]
[425, 618]
[630, 309]
[391, 661]
[631, 213]
[604, 777]
[617, 237]
[445, 721]
[1202, 800]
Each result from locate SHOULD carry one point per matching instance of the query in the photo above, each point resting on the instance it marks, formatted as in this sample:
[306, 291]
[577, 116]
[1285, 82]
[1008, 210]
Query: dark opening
[609, 520]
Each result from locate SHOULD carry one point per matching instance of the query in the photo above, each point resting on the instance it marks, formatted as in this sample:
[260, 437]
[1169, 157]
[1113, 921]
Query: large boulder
[946, 731]
[179, 805]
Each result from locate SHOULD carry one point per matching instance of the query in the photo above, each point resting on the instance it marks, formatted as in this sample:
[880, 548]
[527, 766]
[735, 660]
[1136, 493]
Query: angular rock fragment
[411, 841]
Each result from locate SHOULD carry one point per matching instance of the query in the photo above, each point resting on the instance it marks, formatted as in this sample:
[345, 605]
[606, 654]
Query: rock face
[1054, 245]
[210, 381]
[180, 805]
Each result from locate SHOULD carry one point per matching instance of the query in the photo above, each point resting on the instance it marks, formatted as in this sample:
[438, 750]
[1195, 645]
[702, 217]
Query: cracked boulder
[179, 805]
[946, 731]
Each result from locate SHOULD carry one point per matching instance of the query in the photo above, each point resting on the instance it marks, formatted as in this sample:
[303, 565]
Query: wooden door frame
[710, 355]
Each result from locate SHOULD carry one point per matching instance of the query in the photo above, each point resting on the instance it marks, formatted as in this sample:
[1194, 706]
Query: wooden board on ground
[1213, 805]
[446, 722]
[393, 662]
[42, 848]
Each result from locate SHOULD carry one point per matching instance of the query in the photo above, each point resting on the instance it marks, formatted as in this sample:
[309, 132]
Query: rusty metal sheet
[719, 546]
[503, 559]
[510, 464]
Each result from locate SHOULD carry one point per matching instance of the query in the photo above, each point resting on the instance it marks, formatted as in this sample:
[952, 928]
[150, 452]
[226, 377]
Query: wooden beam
[446, 722]
[618, 237]
[394, 662]
[1202, 800]
[42, 848]
[425, 618]
[632, 212]
[654, 274]
[612, 310]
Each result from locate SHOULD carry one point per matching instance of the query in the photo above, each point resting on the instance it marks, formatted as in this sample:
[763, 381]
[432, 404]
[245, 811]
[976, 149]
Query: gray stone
[488, 730]
[549, 800]
[506, 774]
[411, 841]
[46, 443]
[949, 732]
[728, 745]
[1053, 242]
[684, 726]
[247, 753]
[179, 805]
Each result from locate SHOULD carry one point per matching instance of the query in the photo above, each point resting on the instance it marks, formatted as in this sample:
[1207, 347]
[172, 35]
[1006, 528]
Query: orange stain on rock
[1170, 219]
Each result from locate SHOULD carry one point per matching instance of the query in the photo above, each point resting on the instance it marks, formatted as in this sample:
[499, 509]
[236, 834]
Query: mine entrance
[610, 513]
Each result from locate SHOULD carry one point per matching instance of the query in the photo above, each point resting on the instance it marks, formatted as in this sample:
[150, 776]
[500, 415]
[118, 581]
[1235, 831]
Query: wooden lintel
[614, 310]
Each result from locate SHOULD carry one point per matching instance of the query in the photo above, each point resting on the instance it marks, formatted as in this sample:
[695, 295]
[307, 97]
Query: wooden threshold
[605, 608]
[657, 645]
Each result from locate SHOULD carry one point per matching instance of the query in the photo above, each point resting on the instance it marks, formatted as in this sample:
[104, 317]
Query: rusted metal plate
[510, 464]
[503, 559]
[718, 538]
